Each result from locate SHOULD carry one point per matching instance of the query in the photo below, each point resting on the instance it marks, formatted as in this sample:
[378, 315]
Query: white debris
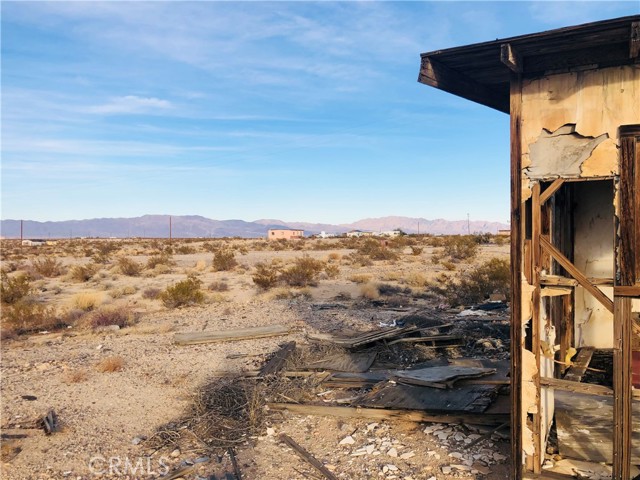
[348, 440]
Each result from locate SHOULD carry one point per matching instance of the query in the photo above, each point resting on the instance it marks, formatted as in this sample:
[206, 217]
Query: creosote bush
[161, 259]
[120, 316]
[129, 267]
[48, 267]
[224, 260]
[83, 273]
[26, 316]
[14, 288]
[266, 275]
[460, 247]
[477, 284]
[376, 250]
[303, 272]
[184, 293]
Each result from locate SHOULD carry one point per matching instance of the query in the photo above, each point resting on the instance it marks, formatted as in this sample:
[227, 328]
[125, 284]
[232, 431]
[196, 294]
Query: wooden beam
[622, 398]
[633, 291]
[511, 58]
[558, 280]
[388, 414]
[536, 235]
[577, 274]
[515, 90]
[629, 211]
[577, 387]
[634, 40]
[193, 338]
[550, 190]
[438, 75]
[276, 362]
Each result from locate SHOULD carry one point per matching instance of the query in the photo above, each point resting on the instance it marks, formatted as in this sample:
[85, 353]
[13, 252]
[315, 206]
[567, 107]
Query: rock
[107, 328]
[446, 469]
[391, 468]
[175, 453]
[138, 440]
[407, 456]
[201, 460]
[392, 452]
[271, 431]
[482, 469]
[498, 457]
[372, 426]
[370, 448]
[348, 440]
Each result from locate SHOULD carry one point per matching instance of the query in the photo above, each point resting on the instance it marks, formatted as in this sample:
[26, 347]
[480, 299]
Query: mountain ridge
[197, 226]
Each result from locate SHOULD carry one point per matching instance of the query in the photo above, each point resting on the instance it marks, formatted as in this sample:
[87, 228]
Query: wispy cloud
[131, 104]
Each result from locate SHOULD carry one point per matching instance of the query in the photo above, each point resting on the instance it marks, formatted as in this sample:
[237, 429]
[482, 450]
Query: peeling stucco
[560, 153]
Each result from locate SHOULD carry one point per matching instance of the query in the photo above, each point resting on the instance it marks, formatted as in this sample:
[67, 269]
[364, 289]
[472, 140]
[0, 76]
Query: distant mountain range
[192, 226]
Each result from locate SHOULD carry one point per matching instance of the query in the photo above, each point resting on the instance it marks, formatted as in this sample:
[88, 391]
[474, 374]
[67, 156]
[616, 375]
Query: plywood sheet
[440, 377]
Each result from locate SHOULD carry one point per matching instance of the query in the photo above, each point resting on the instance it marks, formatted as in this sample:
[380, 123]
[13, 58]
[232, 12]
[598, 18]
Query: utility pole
[169, 229]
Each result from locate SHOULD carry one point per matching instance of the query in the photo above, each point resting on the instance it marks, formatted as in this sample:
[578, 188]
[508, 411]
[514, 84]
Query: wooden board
[193, 338]
[439, 377]
[364, 338]
[387, 414]
[579, 367]
[468, 398]
[345, 362]
[276, 362]
[585, 427]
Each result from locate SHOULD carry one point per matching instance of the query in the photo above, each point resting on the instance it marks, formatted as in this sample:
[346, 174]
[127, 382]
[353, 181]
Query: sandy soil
[105, 414]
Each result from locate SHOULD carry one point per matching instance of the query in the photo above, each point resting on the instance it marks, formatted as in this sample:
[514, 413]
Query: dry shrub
[360, 278]
[224, 260]
[448, 265]
[185, 249]
[416, 279]
[27, 316]
[216, 297]
[303, 272]
[87, 301]
[151, 293]
[200, 266]
[334, 257]
[266, 276]
[14, 288]
[162, 259]
[110, 364]
[48, 267]
[113, 315]
[460, 247]
[184, 293]
[83, 273]
[356, 258]
[416, 250]
[283, 293]
[376, 250]
[370, 291]
[76, 376]
[129, 267]
[477, 284]
[332, 271]
[219, 286]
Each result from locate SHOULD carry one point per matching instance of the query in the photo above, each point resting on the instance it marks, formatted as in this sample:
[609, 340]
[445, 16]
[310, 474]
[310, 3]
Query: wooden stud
[629, 198]
[516, 273]
[551, 189]
[577, 274]
[577, 387]
[536, 235]
[622, 394]
[632, 291]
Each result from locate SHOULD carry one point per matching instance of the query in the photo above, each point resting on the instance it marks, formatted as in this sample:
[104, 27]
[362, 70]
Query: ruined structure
[573, 95]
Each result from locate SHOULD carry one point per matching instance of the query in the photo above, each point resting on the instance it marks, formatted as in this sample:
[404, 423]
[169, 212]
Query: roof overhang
[481, 72]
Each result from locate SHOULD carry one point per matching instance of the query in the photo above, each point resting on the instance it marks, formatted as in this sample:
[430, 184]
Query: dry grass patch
[416, 279]
[87, 301]
[113, 315]
[76, 376]
[110, 364]
[360, 278]
[48, 267]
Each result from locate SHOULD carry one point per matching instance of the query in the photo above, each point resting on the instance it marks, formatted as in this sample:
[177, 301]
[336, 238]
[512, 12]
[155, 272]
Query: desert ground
[88, 332]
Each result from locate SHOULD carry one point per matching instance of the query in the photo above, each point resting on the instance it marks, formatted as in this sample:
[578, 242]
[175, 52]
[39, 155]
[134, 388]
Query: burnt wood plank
[580, 364]
[578, 387]
[307, 457]
[439, 377]
[628, 215]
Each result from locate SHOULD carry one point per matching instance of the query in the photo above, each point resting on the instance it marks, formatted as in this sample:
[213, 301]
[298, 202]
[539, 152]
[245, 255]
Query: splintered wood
[193, 338]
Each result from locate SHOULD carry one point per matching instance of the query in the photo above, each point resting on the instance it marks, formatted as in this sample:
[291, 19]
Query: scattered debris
[50, 422]
[276, 362]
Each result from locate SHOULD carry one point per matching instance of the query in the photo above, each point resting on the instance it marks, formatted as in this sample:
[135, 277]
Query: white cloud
[131, 104]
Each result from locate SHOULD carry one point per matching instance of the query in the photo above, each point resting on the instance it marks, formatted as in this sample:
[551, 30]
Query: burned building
[573, 96]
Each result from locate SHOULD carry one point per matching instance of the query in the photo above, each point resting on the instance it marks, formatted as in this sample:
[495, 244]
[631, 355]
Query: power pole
[170, 230]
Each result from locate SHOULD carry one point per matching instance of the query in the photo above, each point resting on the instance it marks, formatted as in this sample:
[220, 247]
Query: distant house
[504, 233]
[391, 233]
[284, 234]
[359, 233]
[36, 242]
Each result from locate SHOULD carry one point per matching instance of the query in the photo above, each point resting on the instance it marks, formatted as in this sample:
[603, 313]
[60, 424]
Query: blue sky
[307, 111]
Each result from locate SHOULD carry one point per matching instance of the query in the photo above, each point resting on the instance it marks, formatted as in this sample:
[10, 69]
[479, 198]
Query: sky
[297, 111]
